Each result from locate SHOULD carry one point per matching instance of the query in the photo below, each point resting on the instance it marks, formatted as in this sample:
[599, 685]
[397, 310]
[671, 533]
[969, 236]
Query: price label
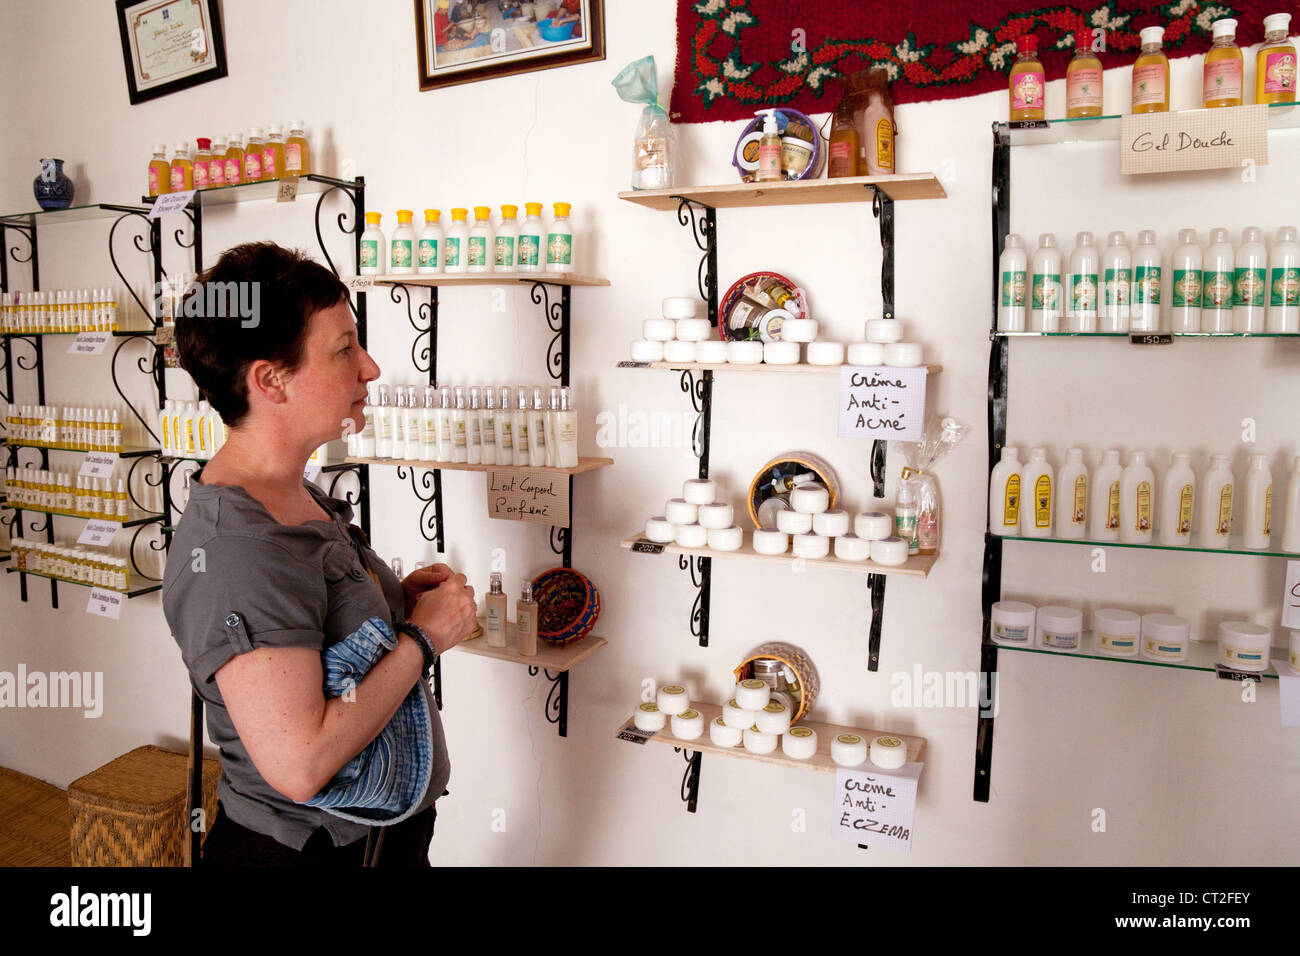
[288, 190]
[1030, 124]
[632, 734]
[165, 334]
[1151, 338]
[98, 464]
[89, 343]
[359, 283]
[633, 364]
[876, 808]
[643, 546]
[169, 203]
[99, 532]
[105, 603]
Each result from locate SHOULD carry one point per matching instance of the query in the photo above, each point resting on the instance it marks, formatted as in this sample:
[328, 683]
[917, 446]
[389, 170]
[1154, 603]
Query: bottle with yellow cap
[503, 259]
[528, 257]
[480, 241]
[559, 243]
[401, 249]
[372, 247]
[456, 241]
[429, 258]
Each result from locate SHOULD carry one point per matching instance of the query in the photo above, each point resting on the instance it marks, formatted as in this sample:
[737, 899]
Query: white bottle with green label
[401, 248]
[1103, 520]
[1248, 300]
[1178, 502]
[1147, 276]
[1185, 291]
[1116, 284]
[1082, 297]
[1137, 500]
[429, 251]
[1284, 282]
[507, 237]
[374, 251]
[1045, 286]
[559, 241]
[532, 236]
[1036, 481]
[1217, 279]
[478, 256]
[456, 241]
[1013, 268]
[1216, 504]
[1072, 496]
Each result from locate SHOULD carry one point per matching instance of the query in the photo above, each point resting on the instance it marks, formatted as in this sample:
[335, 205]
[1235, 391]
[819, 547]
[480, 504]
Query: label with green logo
[1119, 286]
[1187, 288]
[451, 249]
[1217, 290]
[477, 251]
[559, 249]
[1013, 288]
[370, 253]
[504, 251]
[1284, 287]
[1083, 296]
[1249, 287]
[428, 253]
[1047, 290]
[400, 253]
[1147, 282]
[530, 245]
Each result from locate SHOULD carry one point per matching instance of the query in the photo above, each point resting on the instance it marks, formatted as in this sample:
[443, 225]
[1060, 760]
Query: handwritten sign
[1225, 138]
[884, 402]
[98, 464]
[517, 494]
[169, 203]
[359, 283]
[1291, 597]
[99, 532]
[105, 603]
[89, 343]
[876, 808]
[288, 190]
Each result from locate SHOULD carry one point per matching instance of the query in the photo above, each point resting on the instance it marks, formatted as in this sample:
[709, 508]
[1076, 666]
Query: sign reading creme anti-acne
[1193, 139]
[875, 808]
[887, 403]
[517, 494]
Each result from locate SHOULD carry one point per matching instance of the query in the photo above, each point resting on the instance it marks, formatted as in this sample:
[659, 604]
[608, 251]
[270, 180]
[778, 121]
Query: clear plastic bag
[937, 439]
[652, 157]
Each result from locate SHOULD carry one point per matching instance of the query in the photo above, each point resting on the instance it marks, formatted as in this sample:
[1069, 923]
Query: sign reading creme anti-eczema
[876, 808]
[884, 403]
[517, 494]
[1193, 139]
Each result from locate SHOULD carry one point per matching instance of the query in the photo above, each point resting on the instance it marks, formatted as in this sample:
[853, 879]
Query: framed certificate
[170, 45]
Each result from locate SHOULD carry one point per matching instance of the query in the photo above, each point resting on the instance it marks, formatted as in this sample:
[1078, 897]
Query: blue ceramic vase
[53, 189]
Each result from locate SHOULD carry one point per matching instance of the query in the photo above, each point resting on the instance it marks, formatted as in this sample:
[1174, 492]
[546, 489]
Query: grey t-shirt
[237, 579]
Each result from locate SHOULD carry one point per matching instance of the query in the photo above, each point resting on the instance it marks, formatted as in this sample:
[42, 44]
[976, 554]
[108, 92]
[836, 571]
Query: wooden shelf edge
[917, 566]
[584, 465]
[488, 278]
[762, 367]
[902, 186]
[548, 656]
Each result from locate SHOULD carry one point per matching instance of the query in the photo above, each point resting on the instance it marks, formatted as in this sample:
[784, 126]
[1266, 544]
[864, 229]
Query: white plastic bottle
[532, 237]
[459, 428]
[164, 429]
[445, 409]
[1036, 478]
[374, 250]
[521, 423]
[537, 437]
[489, 425]
[1248, 301]
[414, 414]
[1218, 279]
[552, 408]
[1178, 502]
[474, 427]
[1284, 282]
[1291, 530]
[189, 435]
[1257, 510]
[1004, 494]
[1045, 301]
[399, 421]
[384, 424]
[565, 431]
[1072, 496]
[1084, 264]
[1216, 504]
[1013, 267]
[507, 236]
[1103, 522]
[479, 256]
[429, 425]
[202, 430]
[1117, 284]
[1185, 291]
[366, 439]
[456, 242]
[1137, 504]
[505, 428]
[1147, 276]
[559, 241]
[429, 254]
[401, 248]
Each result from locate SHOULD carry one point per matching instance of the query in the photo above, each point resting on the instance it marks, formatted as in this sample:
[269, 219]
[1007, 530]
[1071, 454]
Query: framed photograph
[170, 45]
[461, 41]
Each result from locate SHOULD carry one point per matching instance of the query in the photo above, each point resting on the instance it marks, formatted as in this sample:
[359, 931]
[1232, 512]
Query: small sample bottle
[1084, 265]
[1103, 522]
[474, 427]
[1222, 71]
[1216, 504]
[503, 249]
[1284, 282]
[1218, 280]
[297, 153]
[384, 424]
[445, 409]
[1275, 63]
[495, 624]
[1072, 496]
[1147, 274]
[1013, 266]
[526, 622]
[217, 163]
[1257, 509]
[459, 429]
[565, 432]
[1291, 529]
[1151, 74]
[505, 429]
[1117, 284]
[1004, 494]
[769, 150]
[1045, 304]
[235, 160]
[489, 426]
[480, 241]
[521, 424]
[537, 437]
[160, 172]
[401, 248]
[1028, 82]
[532, 233]
[1083, 78]
[1248, 297]
[1037, 478]
[373, 246]
[182, 169]
[273, 153]
[1137, 491]
[254, 155]
[1185, 300]
[428, 258]
[202, 161]
[559, 241]
[1177, 501]
[456, 241]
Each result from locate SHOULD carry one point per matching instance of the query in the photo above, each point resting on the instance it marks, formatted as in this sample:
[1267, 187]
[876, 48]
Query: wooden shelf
[821, 761]
[760, 367]
[798, 192]
[584, 464]
[917, 566]
[548, 656]
[488, 278]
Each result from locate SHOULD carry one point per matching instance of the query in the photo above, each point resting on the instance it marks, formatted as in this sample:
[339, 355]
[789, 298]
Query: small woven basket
[806, 683]
[568, 605]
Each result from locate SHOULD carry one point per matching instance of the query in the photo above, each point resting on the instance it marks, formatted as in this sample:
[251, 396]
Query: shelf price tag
[359, 283]
[1151, 338]
[633, 734]
[99, 532]
[98, 464]
[886, 403]
[169, 203]
[1291, 598]
[287, 190]
[105, 603]
[89, 343]
[633, 364]
[517, 494]
[644, 546]
[876, 808]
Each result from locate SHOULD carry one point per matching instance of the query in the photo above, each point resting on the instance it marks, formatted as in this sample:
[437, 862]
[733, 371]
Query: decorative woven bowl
[805, 685]
[568, 605]
[787, 466]
[733, 295]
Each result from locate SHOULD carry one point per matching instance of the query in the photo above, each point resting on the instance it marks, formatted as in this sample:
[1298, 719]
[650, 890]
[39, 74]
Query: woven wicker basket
[806, 684]
[131, 811]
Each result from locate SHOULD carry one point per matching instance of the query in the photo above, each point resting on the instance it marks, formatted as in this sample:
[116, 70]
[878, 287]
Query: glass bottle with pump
[182, 169]
[559, 241]
[273, 153]
[235, 160]
[254, 155]
[414, 414]
[503, 255]
[459, 429]
[474, 427]
[537, 437]
[532, 234]
[496, 613]
[297, 153]
[401, 248]
[480, 241]
[201, 160]
[489, 426]
[445, 410]
[430, 256]
[373, 246]
[384, 424]
[1028, 82]
[1083, 78]
[769, 149]
[1275, 63]
[565, 432]
[1222, 71]
[429, 425]
[505, 429]
[160, 172]
[1151, 74]
[526, 622]
[456, 241]
[551, 409]
[521, 424]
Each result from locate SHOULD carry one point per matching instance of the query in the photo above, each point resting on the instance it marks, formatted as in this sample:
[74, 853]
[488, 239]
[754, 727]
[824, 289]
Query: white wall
[1186, 772]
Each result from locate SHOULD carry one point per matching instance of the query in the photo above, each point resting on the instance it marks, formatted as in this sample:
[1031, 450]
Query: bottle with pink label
[1028, 82]
[1275, 63]
[1151, 74]
[1223, 67]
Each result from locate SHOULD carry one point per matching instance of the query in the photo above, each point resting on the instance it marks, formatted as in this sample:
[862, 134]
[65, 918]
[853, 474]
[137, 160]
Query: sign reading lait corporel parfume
[1226, 138]
[519, 494]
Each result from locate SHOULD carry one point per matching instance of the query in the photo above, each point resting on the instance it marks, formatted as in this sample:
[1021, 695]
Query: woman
[265, 573]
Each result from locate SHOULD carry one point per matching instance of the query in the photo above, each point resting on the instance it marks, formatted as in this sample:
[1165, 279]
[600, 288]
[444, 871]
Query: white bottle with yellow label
[1137, 500]
[1257, 507]
[1004, 494]
[1216, 504]
[1072, 496]
[1036, 483]
[1177, 502]
[1103, 522]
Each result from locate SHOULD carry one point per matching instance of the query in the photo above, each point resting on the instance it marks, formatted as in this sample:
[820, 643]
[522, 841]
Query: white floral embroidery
[710, 7]
[712, 88]
[733, 23]
[974, 46]
[796, 65]
[905, 52]
[998, 56]
[815, 77]
[734, 72]
[1182, 7]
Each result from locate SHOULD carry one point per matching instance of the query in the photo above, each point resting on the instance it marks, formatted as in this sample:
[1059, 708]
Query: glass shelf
[1103, 129]
[127, 451]
[308, 185]
[135, 517]
[1123, 335]
[43, 217]
[130, 592]
[1201, 656]
[1234, 542]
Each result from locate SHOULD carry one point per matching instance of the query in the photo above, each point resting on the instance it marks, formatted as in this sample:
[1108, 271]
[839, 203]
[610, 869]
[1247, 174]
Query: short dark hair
[216, 345]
